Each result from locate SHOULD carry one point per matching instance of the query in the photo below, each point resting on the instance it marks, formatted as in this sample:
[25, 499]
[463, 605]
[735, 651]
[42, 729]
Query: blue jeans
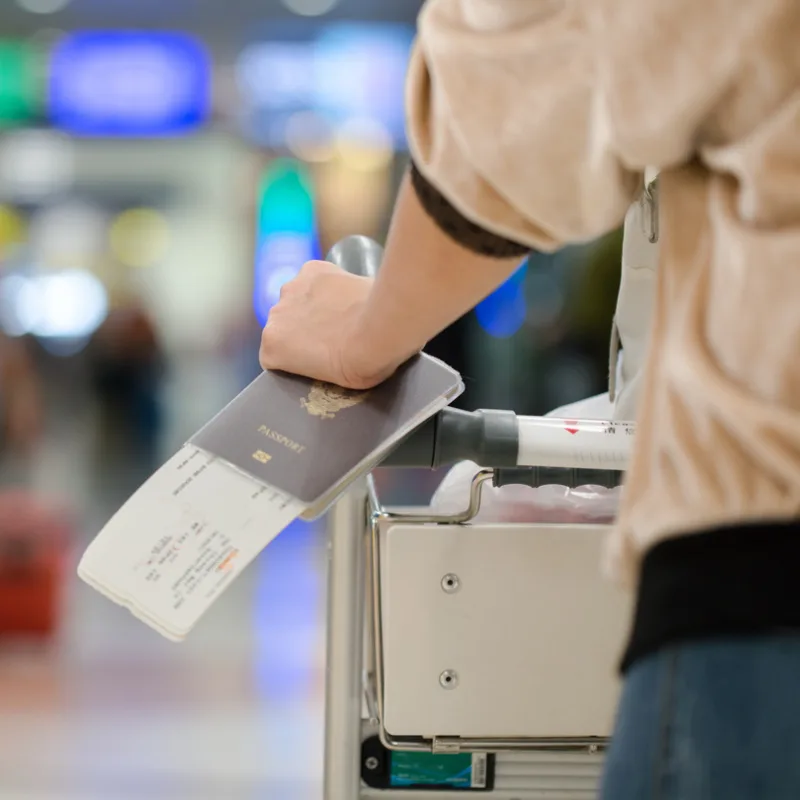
[711, 720]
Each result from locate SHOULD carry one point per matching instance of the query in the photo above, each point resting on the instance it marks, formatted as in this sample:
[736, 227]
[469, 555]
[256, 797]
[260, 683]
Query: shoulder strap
[648, 203]
[649, 199]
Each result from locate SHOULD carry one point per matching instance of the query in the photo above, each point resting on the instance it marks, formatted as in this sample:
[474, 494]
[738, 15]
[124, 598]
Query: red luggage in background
[33, 548]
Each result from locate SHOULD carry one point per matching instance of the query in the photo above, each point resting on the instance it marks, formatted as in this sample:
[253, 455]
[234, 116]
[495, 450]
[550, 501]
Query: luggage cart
[492, 643]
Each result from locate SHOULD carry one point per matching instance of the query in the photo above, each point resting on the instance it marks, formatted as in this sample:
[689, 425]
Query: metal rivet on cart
[372, 763]
[448, 679]
[451, 583]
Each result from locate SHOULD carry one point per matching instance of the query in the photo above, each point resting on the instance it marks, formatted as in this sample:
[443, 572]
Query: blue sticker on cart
[452, 771]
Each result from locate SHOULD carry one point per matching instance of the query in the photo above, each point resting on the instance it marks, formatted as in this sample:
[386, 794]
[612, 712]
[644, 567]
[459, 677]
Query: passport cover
[305, 437]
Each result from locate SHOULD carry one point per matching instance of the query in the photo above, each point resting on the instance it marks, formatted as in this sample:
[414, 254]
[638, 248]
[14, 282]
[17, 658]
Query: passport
[285, 447]
[309, 439]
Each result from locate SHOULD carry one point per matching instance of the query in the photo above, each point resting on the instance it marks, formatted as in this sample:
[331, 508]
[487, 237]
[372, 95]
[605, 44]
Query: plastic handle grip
[358, 255]
[542, 476]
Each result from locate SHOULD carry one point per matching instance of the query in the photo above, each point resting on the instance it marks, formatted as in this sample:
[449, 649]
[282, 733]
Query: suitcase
[33, 542]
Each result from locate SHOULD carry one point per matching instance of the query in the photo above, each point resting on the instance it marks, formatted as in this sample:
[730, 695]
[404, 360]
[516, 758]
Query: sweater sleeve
[535, 119]
[502, 121]
[461, 230]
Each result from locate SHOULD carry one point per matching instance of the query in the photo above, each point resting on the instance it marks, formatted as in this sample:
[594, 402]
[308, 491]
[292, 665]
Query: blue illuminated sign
[288, 600]
[341, 71]
[286, 235]
[504, 311]
[361, 72]
[129, 84]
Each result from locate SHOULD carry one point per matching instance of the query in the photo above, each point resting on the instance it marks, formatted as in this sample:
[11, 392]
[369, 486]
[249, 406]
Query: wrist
[369, 355]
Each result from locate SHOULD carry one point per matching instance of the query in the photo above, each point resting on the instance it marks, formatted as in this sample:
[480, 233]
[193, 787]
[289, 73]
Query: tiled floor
[113, 712]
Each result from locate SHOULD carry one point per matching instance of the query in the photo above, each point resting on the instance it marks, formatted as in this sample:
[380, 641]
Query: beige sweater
[536, 119]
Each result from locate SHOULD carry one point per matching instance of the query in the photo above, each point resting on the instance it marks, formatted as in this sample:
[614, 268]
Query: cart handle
[358, 255]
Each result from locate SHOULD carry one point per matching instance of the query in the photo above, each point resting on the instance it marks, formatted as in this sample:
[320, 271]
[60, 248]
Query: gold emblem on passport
[261, 456]
[325, 399]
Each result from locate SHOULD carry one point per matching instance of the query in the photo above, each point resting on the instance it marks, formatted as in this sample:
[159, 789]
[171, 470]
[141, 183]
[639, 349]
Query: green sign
[19, 83]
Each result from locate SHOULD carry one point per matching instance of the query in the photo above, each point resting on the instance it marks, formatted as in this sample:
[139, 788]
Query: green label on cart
[457, 771]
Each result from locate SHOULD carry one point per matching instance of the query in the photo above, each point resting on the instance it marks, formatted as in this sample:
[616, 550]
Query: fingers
[268, 351]
[277, 338]
[312, 268]
[304, 328]
[308, 273]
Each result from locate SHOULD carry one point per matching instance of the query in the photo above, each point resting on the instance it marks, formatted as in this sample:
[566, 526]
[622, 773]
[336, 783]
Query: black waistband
[742, 580]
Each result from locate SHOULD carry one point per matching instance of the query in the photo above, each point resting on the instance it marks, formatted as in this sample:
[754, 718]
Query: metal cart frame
[355, 672]
[355, 677]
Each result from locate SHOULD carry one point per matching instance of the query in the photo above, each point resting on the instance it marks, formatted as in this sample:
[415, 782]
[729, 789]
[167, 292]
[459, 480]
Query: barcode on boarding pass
[479, 762]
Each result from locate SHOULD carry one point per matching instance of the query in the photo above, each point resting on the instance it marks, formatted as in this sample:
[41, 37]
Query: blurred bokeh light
[139, 237]
[121, 83]
[36, 165]
[43, 6]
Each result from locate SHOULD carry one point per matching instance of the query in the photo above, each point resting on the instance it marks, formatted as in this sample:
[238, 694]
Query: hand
[314, 329]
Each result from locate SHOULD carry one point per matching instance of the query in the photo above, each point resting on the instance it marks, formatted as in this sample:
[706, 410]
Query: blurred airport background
[165, 166]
